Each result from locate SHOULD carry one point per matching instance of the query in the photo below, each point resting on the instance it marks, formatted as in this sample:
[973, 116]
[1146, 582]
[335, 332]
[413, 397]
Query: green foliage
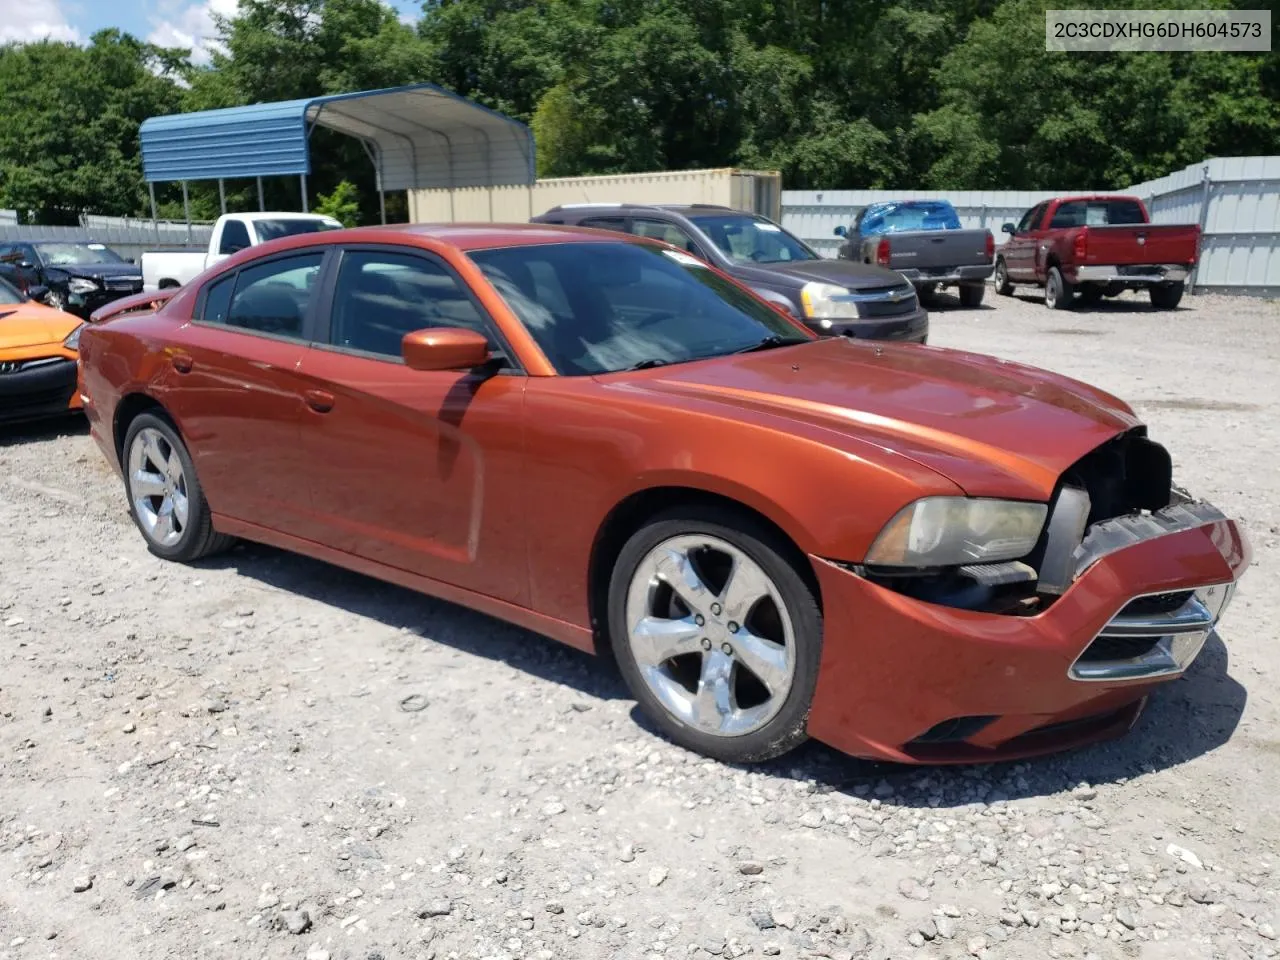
[952, 94]
[343, 204]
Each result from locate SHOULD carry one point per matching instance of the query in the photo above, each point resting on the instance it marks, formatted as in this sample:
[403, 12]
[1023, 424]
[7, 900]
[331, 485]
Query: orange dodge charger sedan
[909, 553]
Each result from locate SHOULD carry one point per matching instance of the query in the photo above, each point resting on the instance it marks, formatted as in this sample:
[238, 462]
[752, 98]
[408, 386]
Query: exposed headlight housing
[73, 338]
[824, 301]
[954, 531]
[81, 285]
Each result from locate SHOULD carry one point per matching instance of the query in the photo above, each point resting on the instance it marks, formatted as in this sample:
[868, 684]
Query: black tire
[1001, 276]
[1090, 294]
[198, 538]
[1058, 294]
[971, 294]
[1166, 296]
[780, 561]
[927, 294]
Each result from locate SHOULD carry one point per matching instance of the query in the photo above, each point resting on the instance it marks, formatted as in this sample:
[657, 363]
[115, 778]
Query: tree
[343, 204]
[69, 141]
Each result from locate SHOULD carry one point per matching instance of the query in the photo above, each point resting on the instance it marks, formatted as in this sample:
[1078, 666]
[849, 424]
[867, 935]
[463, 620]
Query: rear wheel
[927, 294]
[716, 633]
[165, 498]
[971, 294]
[1166, 296]
[1001, 277]
[1057, 292]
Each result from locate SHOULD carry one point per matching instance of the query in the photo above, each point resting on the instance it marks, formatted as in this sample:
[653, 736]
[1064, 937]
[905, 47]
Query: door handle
[181, 362]
[320, 401]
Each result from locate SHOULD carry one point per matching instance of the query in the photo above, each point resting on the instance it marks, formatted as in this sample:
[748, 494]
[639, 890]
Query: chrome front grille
[1153, 636]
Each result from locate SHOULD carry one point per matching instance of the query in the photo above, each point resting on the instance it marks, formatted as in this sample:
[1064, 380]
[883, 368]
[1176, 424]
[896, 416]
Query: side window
[617, 224]
[666, 232]
[1030, 219]
[381, 296]
[273, 297]
[217, 300]
[235, 237]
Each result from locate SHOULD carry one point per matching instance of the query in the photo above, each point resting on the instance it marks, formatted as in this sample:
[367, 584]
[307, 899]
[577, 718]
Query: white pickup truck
[232, 233]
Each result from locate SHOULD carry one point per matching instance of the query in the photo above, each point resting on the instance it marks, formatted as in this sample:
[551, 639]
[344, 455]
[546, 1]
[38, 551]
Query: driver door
[418, 470]
[1019, 251]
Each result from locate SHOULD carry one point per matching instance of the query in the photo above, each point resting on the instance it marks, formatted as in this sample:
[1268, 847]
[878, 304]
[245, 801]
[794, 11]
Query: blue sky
[177, 23]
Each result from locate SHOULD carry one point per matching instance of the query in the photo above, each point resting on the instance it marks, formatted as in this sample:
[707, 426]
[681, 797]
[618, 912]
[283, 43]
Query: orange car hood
[993, 427]
[32, 324]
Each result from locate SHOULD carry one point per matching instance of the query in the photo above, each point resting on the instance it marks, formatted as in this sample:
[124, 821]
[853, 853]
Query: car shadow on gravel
[950, 303]
[37, 431]
[1183, 720]
[437, 620]
[1102, 307]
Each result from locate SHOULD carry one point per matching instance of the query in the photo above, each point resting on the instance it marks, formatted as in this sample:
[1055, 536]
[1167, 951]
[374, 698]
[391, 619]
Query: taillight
[882, 252]
[1081, 245]
[991, 246]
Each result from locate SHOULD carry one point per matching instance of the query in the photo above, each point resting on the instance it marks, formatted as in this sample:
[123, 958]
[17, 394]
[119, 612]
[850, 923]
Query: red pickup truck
[1096, 246]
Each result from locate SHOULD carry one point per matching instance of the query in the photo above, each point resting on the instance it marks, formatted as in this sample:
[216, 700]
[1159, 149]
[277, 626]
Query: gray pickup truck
[923, 241]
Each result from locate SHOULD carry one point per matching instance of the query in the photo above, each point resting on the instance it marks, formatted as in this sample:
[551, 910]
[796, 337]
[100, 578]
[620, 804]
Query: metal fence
[126, 236]
[1235, 200]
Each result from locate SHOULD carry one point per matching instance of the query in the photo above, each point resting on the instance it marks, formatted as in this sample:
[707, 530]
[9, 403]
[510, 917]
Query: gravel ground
[264, 756]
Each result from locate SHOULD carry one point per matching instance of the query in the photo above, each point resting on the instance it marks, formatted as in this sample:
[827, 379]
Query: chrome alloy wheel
[711, 635]
[158, 487]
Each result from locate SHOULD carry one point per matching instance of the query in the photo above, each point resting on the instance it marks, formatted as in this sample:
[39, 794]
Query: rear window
[1097, 213]
[275, 229]
[909, 215]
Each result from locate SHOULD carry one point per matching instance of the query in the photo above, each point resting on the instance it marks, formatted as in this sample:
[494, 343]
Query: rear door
[234, 388]
[667, 233]
[418, 470]
[1019, 251]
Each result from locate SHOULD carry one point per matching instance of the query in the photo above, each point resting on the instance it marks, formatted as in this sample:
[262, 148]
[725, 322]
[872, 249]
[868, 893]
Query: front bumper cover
[38, 388]
[895, 668]
[910, 327]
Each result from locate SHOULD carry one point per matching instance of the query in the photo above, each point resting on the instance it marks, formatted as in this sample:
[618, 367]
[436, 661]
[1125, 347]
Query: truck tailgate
[1141, 244]
[937, 250]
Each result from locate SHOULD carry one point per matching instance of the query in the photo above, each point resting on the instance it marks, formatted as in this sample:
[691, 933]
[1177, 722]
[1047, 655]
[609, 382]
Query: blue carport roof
[419, 136]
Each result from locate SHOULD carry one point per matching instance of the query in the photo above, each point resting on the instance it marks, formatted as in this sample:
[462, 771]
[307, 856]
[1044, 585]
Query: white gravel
[268, 757]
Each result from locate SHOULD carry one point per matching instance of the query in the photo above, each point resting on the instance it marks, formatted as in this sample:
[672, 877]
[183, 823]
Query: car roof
[462, 236]
[682, 209]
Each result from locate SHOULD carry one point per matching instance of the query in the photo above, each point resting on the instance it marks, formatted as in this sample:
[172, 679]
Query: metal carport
[420, 136]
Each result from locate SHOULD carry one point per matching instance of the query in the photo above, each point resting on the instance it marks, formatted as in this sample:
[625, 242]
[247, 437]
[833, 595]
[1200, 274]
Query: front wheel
[1057, 292]
[716, 633]
[1166, 296]
[165, 497]
[1001, 278]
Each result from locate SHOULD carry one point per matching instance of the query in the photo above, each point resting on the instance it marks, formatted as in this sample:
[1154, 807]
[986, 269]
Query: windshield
[9, 294]
[747, 239]
[909, 215]
[76, 254]
[601, 307]
[275, 229]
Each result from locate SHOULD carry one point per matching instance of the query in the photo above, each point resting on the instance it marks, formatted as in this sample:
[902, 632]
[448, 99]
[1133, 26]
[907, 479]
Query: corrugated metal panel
[420, 136]
[127, 240]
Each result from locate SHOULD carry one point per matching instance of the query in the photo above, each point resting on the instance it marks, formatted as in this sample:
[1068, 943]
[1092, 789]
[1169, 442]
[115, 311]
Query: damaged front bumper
[912, 681]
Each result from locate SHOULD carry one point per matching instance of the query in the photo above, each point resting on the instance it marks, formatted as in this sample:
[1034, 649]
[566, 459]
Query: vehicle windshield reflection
[602, 307]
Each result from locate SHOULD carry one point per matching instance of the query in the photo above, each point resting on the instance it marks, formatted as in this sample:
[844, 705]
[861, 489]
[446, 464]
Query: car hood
[32, 324]
[844, 273]
[98, 270]
[992, 427]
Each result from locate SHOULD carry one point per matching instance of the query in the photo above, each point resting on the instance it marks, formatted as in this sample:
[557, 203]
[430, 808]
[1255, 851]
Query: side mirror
[841, 231]
[1007, 228]
[38, 292]
[130, 260]
[444, 348]
[26, 265]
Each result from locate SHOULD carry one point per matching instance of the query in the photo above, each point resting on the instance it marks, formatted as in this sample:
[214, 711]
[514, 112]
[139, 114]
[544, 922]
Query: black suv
[829, 296]
[80, 276]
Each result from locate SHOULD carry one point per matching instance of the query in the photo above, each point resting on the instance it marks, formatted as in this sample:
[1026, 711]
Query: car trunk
[1143, 244]
[934, 251]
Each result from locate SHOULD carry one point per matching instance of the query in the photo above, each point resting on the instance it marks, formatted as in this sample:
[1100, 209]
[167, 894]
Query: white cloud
[191, 26]
[25, 20]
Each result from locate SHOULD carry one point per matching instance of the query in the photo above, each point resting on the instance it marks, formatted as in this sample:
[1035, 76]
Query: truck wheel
[971, 294]
[1166, 296]
[1057, 292]
[1003, 286]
